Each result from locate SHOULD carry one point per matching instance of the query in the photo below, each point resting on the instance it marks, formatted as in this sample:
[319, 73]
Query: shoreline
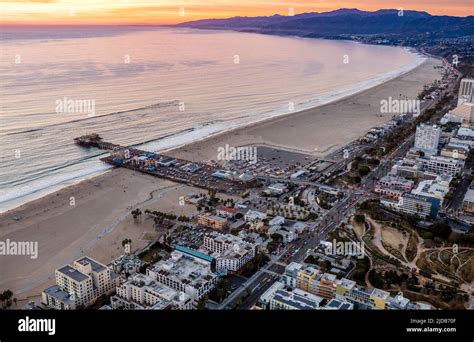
[153, 145]
[100, 218]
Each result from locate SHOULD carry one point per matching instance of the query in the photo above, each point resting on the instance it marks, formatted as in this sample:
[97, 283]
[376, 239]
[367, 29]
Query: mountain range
[346, 22]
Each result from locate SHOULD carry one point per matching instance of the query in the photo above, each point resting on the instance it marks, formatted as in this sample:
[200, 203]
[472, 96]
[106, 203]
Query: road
[325, 224]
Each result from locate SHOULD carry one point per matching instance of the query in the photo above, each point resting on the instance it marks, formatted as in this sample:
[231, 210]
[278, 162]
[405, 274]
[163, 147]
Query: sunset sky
[168, 11]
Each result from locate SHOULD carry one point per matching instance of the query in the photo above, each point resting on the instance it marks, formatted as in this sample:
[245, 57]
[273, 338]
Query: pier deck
[202, 175]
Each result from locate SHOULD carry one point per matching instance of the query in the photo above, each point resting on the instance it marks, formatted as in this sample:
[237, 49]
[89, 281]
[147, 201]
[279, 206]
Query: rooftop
[184, 269]
[71, 272]
[469, 196]
[56, 292]
[96, 267]
[298, 299]
[346, 283]
[336, 304]
[379, 294]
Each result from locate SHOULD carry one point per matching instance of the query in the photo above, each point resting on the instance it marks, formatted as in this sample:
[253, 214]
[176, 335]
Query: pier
[202, 175]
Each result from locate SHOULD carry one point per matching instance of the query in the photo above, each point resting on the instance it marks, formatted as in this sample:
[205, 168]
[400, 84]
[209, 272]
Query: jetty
[202, 175]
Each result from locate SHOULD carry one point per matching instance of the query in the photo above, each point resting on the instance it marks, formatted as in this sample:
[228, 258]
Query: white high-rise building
[427, 138]
[79, 284]
[466, 91]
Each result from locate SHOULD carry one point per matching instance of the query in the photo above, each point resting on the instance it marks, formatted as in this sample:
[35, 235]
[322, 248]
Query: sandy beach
[99, 218]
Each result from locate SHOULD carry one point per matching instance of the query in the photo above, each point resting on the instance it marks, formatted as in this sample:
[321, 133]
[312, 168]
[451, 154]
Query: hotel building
[442, 165]
[79, 285]
[294, 300]
[313, 281]
[231, 252]
[213, 221]
[427, 138]
[466, 91]
[141, 292]
[185, 273]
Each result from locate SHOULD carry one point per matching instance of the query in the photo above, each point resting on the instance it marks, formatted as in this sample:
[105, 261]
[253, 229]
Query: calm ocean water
[160, 87]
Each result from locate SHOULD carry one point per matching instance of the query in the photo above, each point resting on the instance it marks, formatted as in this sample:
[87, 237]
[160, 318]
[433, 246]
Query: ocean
[157, 88]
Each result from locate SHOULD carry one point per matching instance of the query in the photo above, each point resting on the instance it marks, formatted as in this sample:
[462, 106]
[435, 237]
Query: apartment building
[468, 201]
[254, 216]
[141, 292]
[420, 206]
[226, 212]
[437, 188]
[213, 221]
[379, 298]
[466, 91]
[311, 280]
[389, 192]
[294, 300]
[79, 285]
[185, 273]
[427, 138]
[442, 165]
[395, 182]
[231, 252]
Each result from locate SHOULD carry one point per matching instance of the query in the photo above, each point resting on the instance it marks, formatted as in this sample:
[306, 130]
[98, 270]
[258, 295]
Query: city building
[418, 205]
[437, 188]
[455, 151]
[286, 233]
[140, 292]
[468, 201]
[407, 168]
[427, 138]
[379, 298]
[185, 273]
[442, 165]
[294, 300]
[395, 182]
[276, 221]
[231, 252]
[290, 275]
[254, 216]
[226, 212]
[56, 298]
[311, 280]
[79, 285]
[343, 287]
[337, 304]
[341, 294]
[450, 117]
[298, 174]
[213, 221]
[463, 113]
[277, 188]
[466, 91]
[389, 192]
[127, 264]
[267, 296]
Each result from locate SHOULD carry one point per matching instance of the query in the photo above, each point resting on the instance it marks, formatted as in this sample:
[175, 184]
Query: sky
[104, 12]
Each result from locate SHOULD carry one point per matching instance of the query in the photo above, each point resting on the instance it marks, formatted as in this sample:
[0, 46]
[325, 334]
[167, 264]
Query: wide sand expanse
[321, 130]
[100, 219]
